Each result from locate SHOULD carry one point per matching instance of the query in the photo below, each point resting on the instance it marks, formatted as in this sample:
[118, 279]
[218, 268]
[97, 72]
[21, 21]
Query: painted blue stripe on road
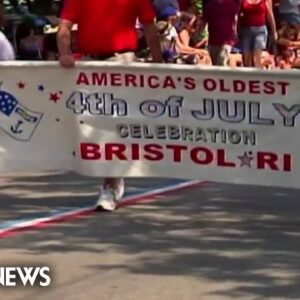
[53, 213]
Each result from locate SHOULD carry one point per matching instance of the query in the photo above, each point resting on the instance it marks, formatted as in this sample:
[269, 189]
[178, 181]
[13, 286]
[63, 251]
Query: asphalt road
[212, 242]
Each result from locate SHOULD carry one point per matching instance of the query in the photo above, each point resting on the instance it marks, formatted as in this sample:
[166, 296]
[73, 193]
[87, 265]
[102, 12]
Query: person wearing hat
[178, 18]
[107, 31]
[160, 6]
[183, 21]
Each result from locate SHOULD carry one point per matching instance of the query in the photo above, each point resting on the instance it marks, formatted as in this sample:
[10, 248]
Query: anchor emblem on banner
[16, 129]
[18, 121]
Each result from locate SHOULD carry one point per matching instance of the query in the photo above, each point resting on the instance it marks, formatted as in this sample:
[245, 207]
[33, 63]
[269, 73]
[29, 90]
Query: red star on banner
[21, 85]
[54, 97]
[246, 159]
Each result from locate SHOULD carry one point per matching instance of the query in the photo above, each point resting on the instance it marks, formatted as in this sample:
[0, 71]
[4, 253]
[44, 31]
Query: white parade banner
[144, 120]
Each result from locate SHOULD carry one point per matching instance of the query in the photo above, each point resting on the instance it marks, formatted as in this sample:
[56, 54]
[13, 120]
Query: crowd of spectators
[236, 33]
[251, 33]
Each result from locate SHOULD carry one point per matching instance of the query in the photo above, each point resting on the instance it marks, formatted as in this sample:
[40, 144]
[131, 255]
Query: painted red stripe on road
[46, 222]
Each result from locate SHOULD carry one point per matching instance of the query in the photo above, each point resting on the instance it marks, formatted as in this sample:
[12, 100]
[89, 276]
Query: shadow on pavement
[248, 236]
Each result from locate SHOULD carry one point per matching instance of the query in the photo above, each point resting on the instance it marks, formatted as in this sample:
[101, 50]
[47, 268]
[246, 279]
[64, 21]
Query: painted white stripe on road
[127, 201]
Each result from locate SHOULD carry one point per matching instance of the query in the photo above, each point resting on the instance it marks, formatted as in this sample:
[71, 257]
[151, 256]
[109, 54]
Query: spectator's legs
[247, 59]
[257, 59]
[116, 185]
[224, 55]
[213, 54]
[246, 45]
[220, 55]
[260, 44]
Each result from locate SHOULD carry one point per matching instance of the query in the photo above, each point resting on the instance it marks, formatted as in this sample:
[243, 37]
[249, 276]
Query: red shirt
[106, 26]
[220, 16]
[254, 14]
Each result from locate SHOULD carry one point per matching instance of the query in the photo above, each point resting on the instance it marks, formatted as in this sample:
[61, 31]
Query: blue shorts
[253, 38]
[290, 18]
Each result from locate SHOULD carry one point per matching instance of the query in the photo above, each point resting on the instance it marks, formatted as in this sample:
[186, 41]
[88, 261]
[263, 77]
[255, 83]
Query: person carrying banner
[107, 32]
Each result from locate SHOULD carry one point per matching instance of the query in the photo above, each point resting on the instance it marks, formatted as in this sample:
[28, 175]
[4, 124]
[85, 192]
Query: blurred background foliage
[36, 7]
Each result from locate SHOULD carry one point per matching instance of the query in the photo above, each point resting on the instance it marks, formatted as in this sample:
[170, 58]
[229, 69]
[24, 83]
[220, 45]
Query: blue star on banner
[41, 88]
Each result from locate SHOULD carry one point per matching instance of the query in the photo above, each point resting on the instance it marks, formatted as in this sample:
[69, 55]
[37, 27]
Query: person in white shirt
[168, 37]
[6, 49]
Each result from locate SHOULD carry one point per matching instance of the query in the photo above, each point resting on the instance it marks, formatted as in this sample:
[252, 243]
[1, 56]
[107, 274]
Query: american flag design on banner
[15, 119]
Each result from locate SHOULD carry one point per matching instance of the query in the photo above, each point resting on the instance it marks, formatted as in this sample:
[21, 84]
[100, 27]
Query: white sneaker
[109, 197]
[106, 200]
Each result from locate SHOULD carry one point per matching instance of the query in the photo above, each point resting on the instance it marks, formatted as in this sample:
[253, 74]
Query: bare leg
[247, 59]
[111, 182]
[257, 57]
